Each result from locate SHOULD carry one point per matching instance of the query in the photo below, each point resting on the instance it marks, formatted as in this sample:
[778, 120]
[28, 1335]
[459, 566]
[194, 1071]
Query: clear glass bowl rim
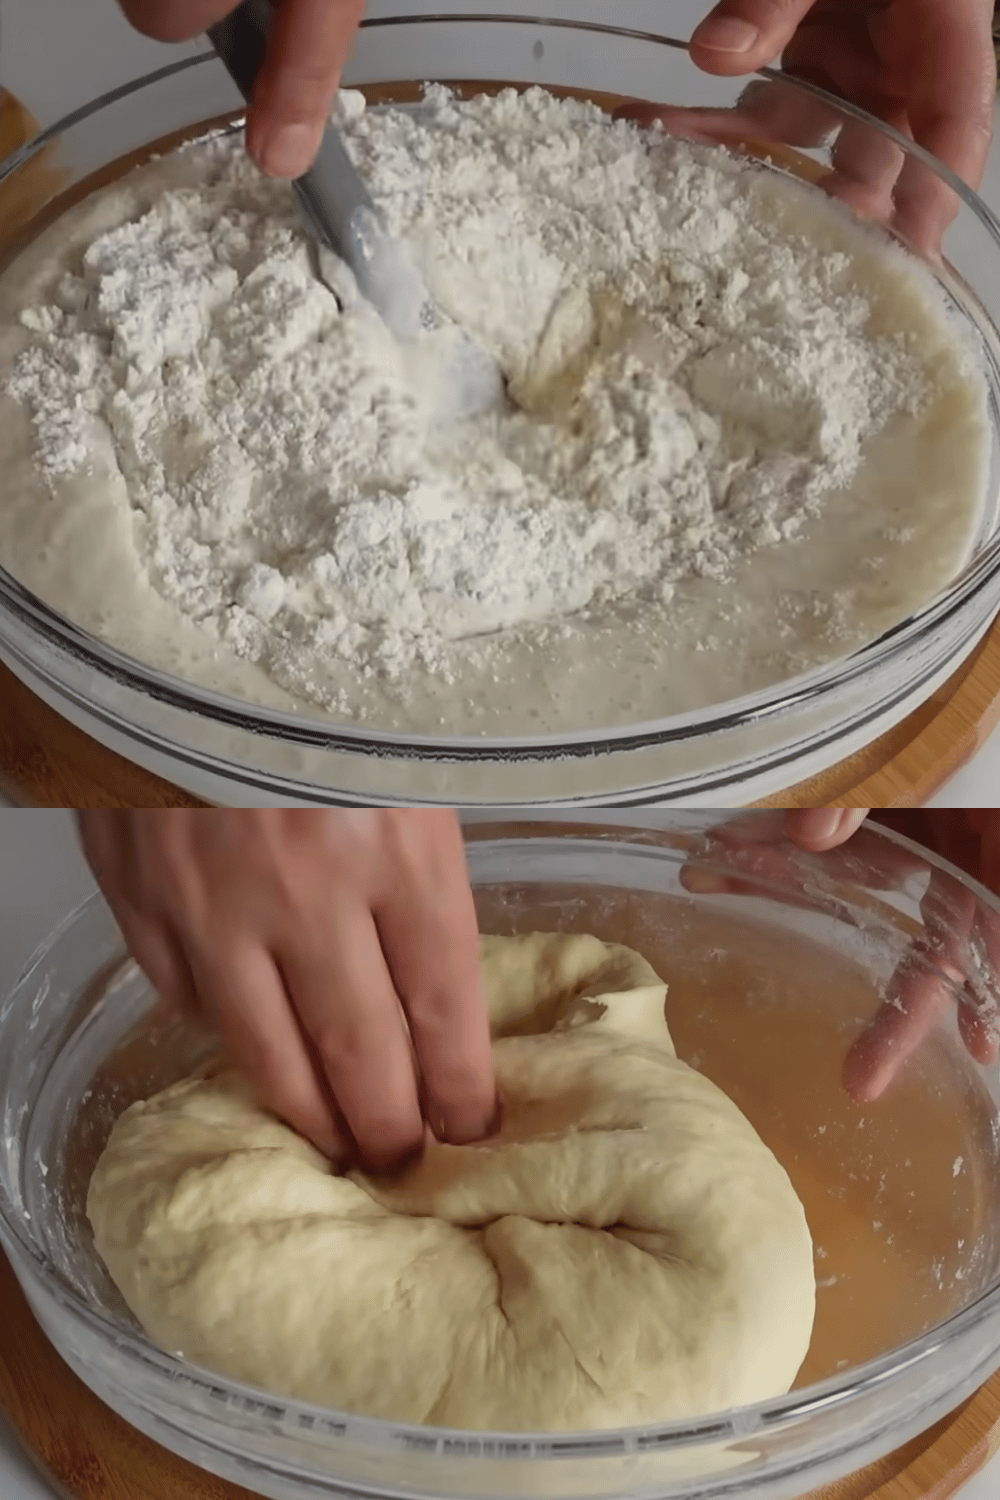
[301, 730]
[836, 1393]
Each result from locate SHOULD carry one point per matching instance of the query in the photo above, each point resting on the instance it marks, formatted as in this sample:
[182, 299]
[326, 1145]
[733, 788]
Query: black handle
[240, 40]
[335, 200]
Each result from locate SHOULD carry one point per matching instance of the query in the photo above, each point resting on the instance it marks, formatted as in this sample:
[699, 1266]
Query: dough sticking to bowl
[626, 1250]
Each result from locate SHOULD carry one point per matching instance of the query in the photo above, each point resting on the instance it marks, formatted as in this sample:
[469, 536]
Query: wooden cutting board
[86, 1452]
[16, 124]
[47, 762]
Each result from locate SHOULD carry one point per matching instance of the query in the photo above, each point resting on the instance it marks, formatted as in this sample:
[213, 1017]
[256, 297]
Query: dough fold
[626, 1251]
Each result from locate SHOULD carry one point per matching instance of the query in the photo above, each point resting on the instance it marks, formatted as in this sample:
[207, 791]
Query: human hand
[306, 52]
[957, 954]
[336, 954]
[926, 67]
[918, 995]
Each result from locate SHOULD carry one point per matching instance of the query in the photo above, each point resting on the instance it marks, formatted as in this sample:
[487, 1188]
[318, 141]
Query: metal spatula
[341, 214]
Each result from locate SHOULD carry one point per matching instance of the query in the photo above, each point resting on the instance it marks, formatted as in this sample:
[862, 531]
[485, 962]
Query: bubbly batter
[748, 437]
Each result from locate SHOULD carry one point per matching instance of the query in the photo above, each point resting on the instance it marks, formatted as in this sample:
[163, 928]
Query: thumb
[824, 828]
[739, 36]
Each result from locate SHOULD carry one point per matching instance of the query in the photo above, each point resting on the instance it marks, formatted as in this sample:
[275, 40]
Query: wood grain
[83, 1448]
[32, 185]
[16, 124]
[88, 1453]
[935, 1465]
[47, 762]
[907, 766]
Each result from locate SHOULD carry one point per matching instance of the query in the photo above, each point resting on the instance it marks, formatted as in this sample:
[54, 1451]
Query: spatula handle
[331, 192]
[240, 39]
[337, 205]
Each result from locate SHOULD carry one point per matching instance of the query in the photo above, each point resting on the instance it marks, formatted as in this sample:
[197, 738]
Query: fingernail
[823, 823]
[288, 152]
[462, 1135]
[702, 882]
[726, 34]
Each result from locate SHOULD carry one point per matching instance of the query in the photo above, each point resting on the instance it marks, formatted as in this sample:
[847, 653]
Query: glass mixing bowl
[233, 753]
[769, 983]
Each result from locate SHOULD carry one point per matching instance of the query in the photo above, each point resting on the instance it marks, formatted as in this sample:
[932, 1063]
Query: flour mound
[625, 1250]
[694, 374]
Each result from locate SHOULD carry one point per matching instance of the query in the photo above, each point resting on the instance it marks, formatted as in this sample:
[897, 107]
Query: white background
[42, 876]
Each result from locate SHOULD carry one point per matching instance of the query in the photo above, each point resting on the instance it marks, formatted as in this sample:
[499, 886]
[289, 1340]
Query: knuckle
[267, 1064]
[314, 72]
[404, 832]
[380, 1107]
[340, 1046]
[280, 1086]
[440, 1005]
[159, 873]
[424, 849]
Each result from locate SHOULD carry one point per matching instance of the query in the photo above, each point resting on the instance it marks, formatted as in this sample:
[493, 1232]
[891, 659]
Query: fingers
[347, 1005]
[970, 839]
[751, 856]
[429, 933]
[824, 828]
[950, 107]
[159, 955]
[866, 168]
[244, 997]
[787, 113]
[307, 49]
[837, 55]
[864, 163]
[778, 113]
[174, 20]
[979, 1014]
[923, 989]
[953, 90]
[959, 960]
[739, 36]
[918, 999]
[978, 1030]
[938, 972]
[104, 836]
[302, 936]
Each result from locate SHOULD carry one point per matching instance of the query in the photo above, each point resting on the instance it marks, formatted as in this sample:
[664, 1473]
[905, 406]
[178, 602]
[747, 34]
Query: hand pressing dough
[626, 1251]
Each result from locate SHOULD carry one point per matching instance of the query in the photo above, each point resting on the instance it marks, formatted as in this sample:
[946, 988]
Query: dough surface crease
[626, 1250]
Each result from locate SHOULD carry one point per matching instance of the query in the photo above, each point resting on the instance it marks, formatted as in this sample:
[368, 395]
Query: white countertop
[42, 876]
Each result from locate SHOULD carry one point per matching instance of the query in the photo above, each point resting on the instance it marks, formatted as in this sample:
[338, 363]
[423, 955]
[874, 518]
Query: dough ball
[625, 1251]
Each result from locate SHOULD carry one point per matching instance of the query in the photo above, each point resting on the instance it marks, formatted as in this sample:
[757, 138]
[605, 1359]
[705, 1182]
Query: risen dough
[626, 1251]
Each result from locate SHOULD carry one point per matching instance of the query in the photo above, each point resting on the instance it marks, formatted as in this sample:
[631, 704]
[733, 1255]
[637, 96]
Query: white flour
[697, 371]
